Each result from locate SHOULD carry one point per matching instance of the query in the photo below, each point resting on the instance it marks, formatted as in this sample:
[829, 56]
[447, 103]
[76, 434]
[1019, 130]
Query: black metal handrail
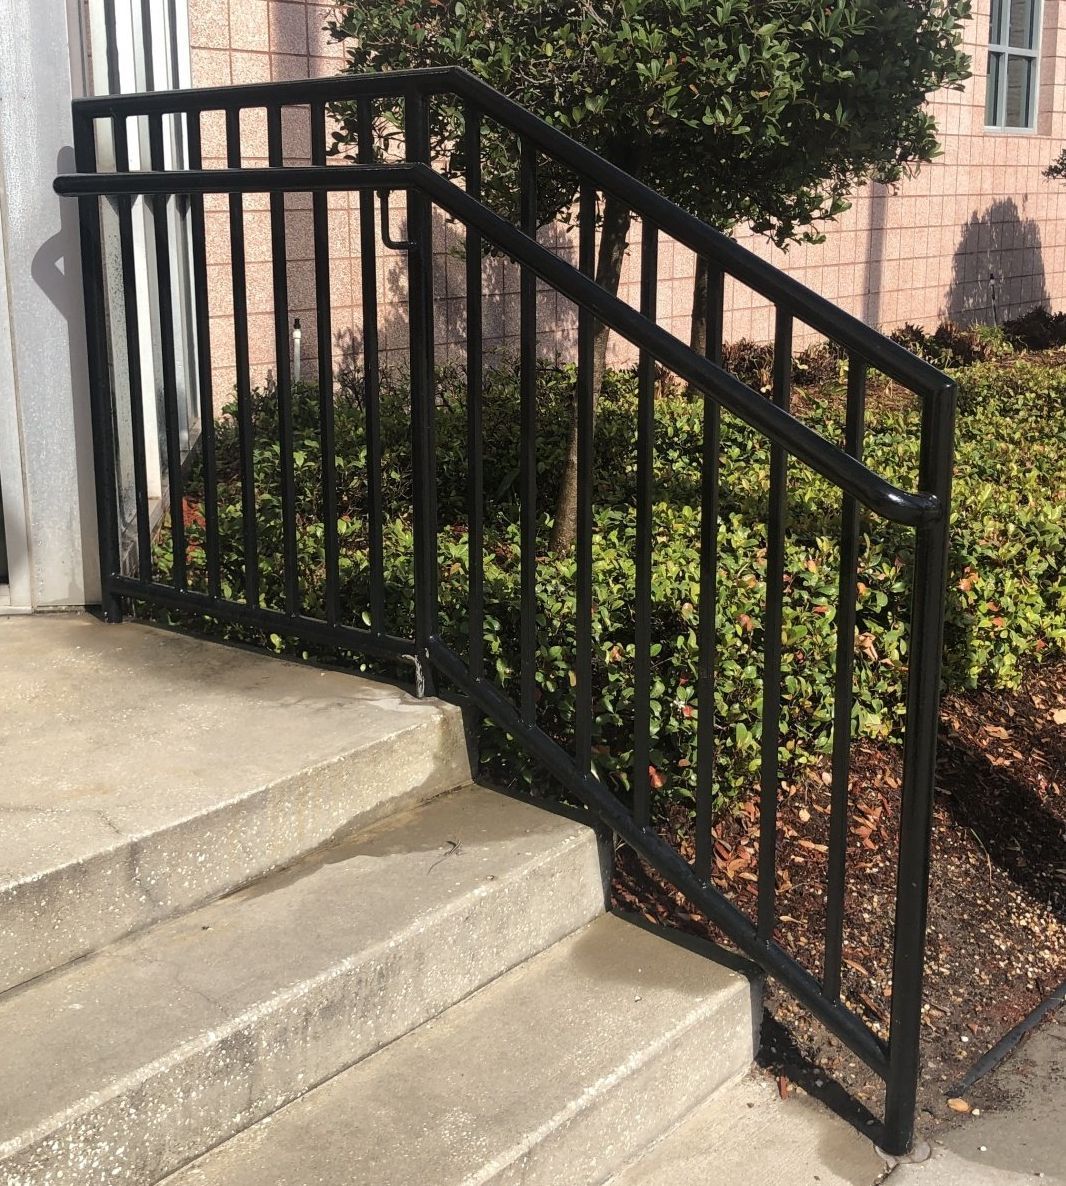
[820, 454]
[925, 510]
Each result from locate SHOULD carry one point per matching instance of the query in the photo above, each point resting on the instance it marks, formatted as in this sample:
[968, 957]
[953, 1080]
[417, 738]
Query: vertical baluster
[245, 427]
[707, 633]
[528, 439]
[203, 364]
[919, 769]
[371, 371]
[649, 283]
[474, 395]
[280, 275]
[324, 338]
[133, 357]
[844, 689]
[160, 217]
[101, 401]
[423, 399]
[775, 580]
[586, 462]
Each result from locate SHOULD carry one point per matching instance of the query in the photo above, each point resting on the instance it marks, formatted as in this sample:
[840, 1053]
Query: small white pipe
[297, 340]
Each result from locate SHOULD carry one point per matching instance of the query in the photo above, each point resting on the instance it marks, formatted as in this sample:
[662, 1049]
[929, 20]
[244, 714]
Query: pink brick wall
[914, 252]
[923, 250]
[243, 41]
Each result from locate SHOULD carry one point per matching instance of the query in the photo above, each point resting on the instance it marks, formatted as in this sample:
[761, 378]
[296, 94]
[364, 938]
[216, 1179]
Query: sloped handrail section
[108, 198]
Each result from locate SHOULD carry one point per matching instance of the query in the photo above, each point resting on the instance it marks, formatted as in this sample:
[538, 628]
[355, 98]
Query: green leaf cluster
[1006, 606]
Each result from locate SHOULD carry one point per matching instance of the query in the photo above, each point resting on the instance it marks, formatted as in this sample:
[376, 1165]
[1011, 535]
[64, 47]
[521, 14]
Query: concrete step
[146, 773]
[128, 1064]
[554, 1075]
[747, 1135]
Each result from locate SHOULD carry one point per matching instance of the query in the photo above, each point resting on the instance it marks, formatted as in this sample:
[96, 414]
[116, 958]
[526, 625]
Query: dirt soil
[997, 912]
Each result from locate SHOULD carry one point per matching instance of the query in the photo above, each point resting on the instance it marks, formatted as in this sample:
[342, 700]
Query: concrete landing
[553, 1075]
[143, 773]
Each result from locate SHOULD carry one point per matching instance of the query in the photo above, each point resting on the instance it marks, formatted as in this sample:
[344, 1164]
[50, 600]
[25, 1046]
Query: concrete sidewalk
[763, 1140]
[1020, 1135]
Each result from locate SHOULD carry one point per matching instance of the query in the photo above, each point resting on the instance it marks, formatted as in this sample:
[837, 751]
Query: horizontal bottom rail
[836, 1017]
[383, 646]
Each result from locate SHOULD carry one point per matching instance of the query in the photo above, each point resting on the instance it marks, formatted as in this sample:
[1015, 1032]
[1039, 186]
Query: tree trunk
[614, 239]
[698, 332]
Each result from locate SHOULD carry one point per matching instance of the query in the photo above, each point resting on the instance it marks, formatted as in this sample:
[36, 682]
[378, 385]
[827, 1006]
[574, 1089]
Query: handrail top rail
[732, 257]
[779, 426]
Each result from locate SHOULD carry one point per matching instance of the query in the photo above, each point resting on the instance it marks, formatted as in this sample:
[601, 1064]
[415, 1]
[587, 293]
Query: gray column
[40, 70]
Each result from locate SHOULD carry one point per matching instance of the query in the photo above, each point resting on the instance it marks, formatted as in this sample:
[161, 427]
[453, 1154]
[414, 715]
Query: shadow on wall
[56, 271]
[875, 254]
[998, 267]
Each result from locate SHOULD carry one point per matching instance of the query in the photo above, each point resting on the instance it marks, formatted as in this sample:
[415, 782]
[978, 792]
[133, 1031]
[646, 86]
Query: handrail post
[101, 405]
[919, 772]
[423, 455]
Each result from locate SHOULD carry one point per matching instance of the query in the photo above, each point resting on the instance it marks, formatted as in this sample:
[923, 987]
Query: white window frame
[999, 47]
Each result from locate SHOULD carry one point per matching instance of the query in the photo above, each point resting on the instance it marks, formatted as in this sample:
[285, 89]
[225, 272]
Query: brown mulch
[997, 912]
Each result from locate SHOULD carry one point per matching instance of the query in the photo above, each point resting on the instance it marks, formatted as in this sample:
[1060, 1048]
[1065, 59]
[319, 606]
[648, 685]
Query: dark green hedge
[1006, 601]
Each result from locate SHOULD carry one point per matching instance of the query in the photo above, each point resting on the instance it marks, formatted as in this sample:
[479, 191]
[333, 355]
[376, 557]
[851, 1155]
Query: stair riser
[611, 1126]
[206, 1092]
[557, 1074]
[75, 909]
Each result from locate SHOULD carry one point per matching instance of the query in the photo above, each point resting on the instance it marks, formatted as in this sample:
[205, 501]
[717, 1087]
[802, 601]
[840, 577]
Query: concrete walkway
[761, 1140]
[749, 1136]
[1020, 1135]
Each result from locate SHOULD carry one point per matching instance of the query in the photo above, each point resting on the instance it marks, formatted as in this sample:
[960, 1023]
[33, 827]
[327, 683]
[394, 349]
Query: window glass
[995, 22]
[1019, 88]
[1021, 32]
[1013, 43]
[995, 64]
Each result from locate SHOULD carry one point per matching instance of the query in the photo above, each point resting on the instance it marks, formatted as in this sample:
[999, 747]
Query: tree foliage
[765, 112]
[1056, 171]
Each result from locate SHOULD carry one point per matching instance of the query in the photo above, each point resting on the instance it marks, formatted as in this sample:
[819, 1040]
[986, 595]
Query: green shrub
[1039, 329]
[753, 363]
[962, 345]
[913, 338]
[954, 345]
[817, 364]
[1006, 600]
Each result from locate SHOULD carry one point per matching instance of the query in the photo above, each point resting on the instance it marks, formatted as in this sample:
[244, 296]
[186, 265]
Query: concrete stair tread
[557, 1072]
[747, 1134]
[212, 1020]
[146, 772]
